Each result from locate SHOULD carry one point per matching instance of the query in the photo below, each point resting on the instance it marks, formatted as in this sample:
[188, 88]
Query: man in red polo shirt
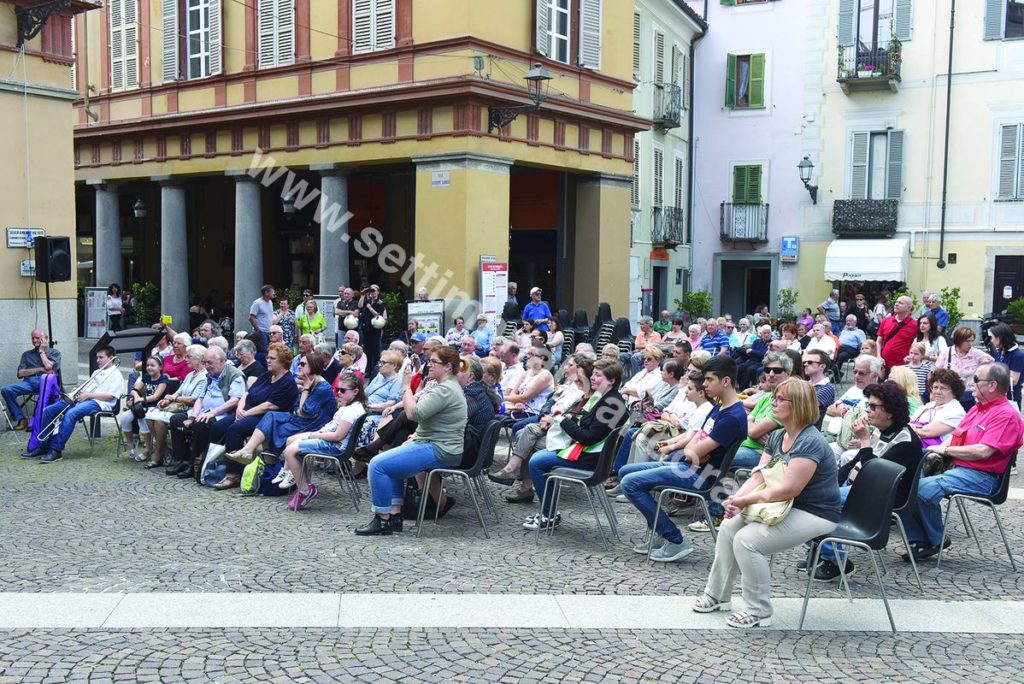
[980, 447]
[897, 333]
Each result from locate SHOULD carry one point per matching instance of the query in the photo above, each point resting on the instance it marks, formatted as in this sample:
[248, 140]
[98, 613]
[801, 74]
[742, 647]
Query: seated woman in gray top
[811, 481]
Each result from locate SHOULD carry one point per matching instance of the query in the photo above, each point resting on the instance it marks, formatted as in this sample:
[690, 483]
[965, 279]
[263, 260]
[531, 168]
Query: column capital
[101, 184]
[168, 180]
[462, 160]
[239, 175]
[612, 180]
[331, 169]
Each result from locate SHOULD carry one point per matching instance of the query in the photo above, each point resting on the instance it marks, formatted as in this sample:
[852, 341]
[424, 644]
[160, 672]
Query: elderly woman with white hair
[176, 365]
[245, 352]
[191, 388]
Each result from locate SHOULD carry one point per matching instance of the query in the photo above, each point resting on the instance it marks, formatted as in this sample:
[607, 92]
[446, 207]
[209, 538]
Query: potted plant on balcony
[865, 70]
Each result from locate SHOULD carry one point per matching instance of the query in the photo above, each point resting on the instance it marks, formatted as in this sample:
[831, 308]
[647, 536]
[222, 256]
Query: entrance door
[745, 286]
[1009, 273]
[659, 282]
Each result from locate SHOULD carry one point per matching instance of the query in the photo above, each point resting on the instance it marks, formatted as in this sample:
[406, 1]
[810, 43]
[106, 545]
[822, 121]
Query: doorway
[745, 285]
[659, 283]
[1008, 279]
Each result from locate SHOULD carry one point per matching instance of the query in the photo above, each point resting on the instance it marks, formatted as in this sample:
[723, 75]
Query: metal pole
[945, 145]
[49, 319]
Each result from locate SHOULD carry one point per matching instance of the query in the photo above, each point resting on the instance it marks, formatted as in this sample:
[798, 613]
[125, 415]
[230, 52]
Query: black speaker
[53, 259]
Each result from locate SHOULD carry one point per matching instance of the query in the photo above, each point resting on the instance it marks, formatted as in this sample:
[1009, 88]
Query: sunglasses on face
[774, 371]
[873, 406]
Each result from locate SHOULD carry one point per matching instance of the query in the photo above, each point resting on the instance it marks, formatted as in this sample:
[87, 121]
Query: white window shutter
[169, 44]
[678, 180]
[74, 54]
[903, 21]
[659, 57]
[384, 25]
[995, 19]
[677, 56]
[542, 28]
[859, 166]
[216, 38]
[285, 32]
[683, 74]
[590, 34]
[362, 26]
[894, 165]
[1009, 162]
[116, 44]
[131, 44]
[636, 46]
[634, 192]
[847, 34]
[267, 43]
[1020, 166]
[659, 176]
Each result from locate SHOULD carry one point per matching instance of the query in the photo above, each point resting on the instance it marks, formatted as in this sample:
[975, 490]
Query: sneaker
[701, 526]
[621, 498]
[828, 571]
[287, 481]
[280, 476]
[614, 491]
[301, 499]
[1013, 470]
[672, 552]
[641, 548]
[542, 522]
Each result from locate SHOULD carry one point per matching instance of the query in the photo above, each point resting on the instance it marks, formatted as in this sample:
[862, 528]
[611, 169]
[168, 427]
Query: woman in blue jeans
[603, 413]
[440, 415]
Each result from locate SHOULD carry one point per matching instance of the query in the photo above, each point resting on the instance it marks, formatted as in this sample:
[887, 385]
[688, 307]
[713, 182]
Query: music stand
[128, 341]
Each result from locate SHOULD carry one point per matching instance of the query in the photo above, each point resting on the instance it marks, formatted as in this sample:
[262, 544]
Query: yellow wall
[602, 233]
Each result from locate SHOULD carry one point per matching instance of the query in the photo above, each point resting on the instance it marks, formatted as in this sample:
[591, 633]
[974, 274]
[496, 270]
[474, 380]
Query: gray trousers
[747, 547]
[530, 440]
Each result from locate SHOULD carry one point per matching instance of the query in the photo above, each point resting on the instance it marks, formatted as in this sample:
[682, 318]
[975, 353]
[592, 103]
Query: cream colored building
[37, 188]
[880, 156]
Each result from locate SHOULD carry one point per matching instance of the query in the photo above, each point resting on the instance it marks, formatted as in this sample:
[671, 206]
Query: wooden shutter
[636, 46]
[267, 43]
[683, 82]
[362, 26]
[1009, 162]
[754, 184]
[894, 165]
[995, 19]
[676, 61]
[677, 178]
[131, 44]
[384, 25]
[903, 21]
[659, 175]
[755, 92]
[74, 52]
[590, 34]
[216, 38]
[659, 57]
[542, 27]
[634, 192]
[169, 40]
[285, 32]
[730, 81]
[739, 184]
[847, 33]
[859, 165]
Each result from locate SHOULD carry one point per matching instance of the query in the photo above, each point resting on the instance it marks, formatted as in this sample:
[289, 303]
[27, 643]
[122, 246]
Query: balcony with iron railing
[668, 106]
[668, 230]
[744, 222]
[870, 69]
[865, 217]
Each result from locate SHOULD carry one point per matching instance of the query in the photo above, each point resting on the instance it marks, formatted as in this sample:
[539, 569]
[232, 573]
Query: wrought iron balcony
[872, 69]
[668, 106]
[865, 217]
[669, 228]
[744, 222]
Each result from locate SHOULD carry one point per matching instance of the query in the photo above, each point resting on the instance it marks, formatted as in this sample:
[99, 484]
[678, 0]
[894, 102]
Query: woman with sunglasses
[649, 375]
[963, 358]
[440, 416]
[532, 389]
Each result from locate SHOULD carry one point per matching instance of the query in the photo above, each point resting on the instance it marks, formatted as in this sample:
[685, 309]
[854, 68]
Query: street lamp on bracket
[537, 84]
[806, 168]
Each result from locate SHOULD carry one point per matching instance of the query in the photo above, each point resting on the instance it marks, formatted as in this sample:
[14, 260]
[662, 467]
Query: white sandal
[741, 620]
[707, 604]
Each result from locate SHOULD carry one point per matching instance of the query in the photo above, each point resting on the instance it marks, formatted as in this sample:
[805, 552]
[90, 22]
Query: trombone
[71, 398]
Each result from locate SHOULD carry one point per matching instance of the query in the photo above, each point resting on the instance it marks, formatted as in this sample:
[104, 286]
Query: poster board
[325, 304]
[95, 312]
[428, 314]
[493, 288]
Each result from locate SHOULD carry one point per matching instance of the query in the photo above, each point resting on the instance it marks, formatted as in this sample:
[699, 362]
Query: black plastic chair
[564, 320]
[591, 481]
[906, 509]
[864, 523]
[580, 326]
[484, 458]
[603, 325]
[510, 315]
[342, 463]
[700, 493]
[996, 499]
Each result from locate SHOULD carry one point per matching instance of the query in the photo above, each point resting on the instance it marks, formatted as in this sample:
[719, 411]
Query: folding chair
[907, 509]
[996, 499]
[342, 464]
[91, 424]
[864, 523]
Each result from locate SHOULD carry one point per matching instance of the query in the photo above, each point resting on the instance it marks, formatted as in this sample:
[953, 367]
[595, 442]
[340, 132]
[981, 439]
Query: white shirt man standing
[261, 313]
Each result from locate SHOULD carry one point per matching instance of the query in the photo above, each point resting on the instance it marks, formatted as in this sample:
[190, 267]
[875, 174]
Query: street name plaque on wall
[22, 238]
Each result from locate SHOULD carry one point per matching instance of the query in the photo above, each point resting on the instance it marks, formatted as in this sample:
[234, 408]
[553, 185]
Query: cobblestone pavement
[476, 655]
[90, 523]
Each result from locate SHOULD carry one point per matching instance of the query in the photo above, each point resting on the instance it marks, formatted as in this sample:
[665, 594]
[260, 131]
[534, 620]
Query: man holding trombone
[98, 393]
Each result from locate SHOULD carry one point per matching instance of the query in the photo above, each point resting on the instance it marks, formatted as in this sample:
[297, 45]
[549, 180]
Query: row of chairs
[577, 328]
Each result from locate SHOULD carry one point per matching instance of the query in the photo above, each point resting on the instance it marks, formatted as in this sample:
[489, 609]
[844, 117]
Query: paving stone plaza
[157, 579]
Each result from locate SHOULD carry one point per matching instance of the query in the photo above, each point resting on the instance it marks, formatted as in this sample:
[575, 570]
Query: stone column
[601, 272]
[248, 246]
[173, 252]
[334, 237]
[107, 250]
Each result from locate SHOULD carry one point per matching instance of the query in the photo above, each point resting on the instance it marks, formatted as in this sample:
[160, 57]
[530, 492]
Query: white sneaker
[701, 526]
[672, 552]
[280, 476]
[288, 481]
[621, 498]
[641, 548]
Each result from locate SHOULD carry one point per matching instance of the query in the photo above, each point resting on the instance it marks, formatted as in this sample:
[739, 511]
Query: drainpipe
[941, 263]
[689, 143]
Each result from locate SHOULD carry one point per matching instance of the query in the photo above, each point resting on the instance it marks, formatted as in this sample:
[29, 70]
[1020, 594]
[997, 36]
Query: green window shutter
[995, 19]
[859, 166]
[756, 90]
[739, 184]
[729, 2]
[730, 81]
[754, 184]
[847, 34]
[894, 165]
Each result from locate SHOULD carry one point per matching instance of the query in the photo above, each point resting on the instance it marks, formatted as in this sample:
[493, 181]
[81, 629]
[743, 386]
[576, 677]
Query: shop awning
[867, 260]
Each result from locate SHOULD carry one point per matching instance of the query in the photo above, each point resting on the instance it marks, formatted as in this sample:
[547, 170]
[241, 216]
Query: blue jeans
[627, 444]
[523, 422]
[57, 442]
[828, 551]
[29, 385]
[542, 463]
[637, 481]
[388, 472]
[925, 525]
[746, 458]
